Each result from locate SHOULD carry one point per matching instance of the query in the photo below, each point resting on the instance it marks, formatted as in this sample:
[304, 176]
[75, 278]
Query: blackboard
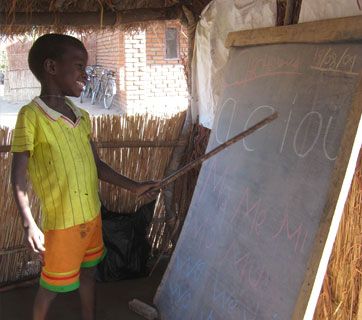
[259, 218]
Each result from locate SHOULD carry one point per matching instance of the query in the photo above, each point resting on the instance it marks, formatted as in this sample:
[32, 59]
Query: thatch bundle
[341, 294]
[185, 185]
[140, 163]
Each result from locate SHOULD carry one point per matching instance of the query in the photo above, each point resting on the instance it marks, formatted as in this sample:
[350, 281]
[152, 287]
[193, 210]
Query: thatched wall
[16, 262]
[339, 298]
[140, 163]
[21, 83]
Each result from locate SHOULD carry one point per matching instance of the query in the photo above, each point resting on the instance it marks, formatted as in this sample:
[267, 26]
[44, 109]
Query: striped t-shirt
[61, 165]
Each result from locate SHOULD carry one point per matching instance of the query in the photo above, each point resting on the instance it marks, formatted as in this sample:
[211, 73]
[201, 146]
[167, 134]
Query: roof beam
[90, 18]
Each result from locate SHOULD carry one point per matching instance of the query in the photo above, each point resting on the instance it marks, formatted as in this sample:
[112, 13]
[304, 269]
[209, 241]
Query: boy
[52, 140]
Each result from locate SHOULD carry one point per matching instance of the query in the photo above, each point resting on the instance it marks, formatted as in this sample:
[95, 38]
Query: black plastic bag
[125, 238]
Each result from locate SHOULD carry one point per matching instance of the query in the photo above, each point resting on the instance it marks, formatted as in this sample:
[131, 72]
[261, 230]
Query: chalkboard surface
[245, 246]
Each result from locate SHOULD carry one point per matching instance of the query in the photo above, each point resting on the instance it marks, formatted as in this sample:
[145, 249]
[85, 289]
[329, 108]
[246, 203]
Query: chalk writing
[246, 208]
[308, 115]
[330, 60]
[248, 269]
[230, 304]
[229, 103]
[207, 315]
[329, 157]
[247, 123]
[298, 236]
[287, 125]
[192, 269]
[309, 129]
[179, 296]
[267, 65]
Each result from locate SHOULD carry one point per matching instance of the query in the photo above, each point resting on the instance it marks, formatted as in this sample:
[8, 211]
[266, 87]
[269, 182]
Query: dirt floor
[112, 299]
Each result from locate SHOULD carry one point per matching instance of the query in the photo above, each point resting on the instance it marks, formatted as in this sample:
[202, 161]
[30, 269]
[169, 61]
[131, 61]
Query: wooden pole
[289, 10]
[221, 147]
[127, 144]
[109, 18]
[331, 30]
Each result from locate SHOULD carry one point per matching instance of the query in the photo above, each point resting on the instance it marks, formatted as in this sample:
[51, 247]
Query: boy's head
[59, 61]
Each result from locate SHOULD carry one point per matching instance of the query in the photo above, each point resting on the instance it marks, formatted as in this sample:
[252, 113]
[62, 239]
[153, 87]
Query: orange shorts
[68, 250]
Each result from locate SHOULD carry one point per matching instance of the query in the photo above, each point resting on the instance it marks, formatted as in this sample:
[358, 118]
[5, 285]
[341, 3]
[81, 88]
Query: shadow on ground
[112, 299]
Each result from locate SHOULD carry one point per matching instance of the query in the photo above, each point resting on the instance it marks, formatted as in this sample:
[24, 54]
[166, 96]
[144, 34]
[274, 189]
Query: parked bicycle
[92, 75]
[100, 85]
[110, 89]
[105, 88]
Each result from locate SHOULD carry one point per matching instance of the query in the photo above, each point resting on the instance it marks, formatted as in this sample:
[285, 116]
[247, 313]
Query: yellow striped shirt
[61, 165]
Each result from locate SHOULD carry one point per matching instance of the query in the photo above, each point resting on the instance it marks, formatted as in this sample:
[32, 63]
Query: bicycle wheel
[95, 93]
[82, 96]
[84, 93]
[109, 93]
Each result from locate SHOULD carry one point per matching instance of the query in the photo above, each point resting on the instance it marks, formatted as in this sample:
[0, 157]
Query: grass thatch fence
[341, 295]
[139, 147]
[16, 261]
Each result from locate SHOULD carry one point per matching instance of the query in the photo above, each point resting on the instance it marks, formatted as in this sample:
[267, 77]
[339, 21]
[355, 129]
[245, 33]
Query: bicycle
[97, 86]
[105, 88]
[110, 89]
[92, 74]
[86, 89]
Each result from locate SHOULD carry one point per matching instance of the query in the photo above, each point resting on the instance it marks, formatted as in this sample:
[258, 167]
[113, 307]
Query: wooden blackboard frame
[331, 30]
[326, 31]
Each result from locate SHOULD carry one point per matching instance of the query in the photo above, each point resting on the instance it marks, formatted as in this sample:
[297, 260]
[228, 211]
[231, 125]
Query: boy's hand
[35, 238]
[147, 188]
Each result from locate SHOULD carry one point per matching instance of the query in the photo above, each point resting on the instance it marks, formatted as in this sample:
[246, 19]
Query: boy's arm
[19, 166]
[107, 174]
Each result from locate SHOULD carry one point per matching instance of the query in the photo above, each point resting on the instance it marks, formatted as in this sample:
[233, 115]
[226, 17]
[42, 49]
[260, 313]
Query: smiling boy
[52, 141]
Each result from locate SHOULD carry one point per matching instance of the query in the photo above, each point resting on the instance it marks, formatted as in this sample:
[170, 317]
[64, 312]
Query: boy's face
[69, 72]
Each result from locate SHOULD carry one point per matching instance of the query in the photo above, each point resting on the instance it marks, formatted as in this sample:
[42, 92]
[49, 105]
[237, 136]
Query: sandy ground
[9, 110]
[162, 107]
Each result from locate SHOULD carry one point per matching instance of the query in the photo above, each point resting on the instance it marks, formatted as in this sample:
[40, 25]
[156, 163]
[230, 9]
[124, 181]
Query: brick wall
[20, 84]
[165, 81]
[156, 42]
[90, 43]
[109, 54]
[145, 78]
[135, 68]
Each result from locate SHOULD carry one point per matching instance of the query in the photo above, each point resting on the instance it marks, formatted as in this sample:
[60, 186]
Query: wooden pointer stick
[221, 147]
[206, 156]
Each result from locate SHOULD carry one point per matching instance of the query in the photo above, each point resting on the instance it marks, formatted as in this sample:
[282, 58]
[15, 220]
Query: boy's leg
[42, 302]
[94, 254]
[61, 267]
[87, 293]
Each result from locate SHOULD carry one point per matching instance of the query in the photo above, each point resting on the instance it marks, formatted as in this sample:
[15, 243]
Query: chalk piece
[143, 309]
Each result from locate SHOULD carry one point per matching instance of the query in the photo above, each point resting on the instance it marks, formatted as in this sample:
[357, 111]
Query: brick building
[148, 64]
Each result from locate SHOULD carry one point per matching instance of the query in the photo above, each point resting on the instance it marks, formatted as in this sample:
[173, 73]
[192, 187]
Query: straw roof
[26, 16]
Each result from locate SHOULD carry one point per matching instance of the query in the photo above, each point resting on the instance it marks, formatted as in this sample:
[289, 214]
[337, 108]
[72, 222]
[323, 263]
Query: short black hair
[50, 46]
